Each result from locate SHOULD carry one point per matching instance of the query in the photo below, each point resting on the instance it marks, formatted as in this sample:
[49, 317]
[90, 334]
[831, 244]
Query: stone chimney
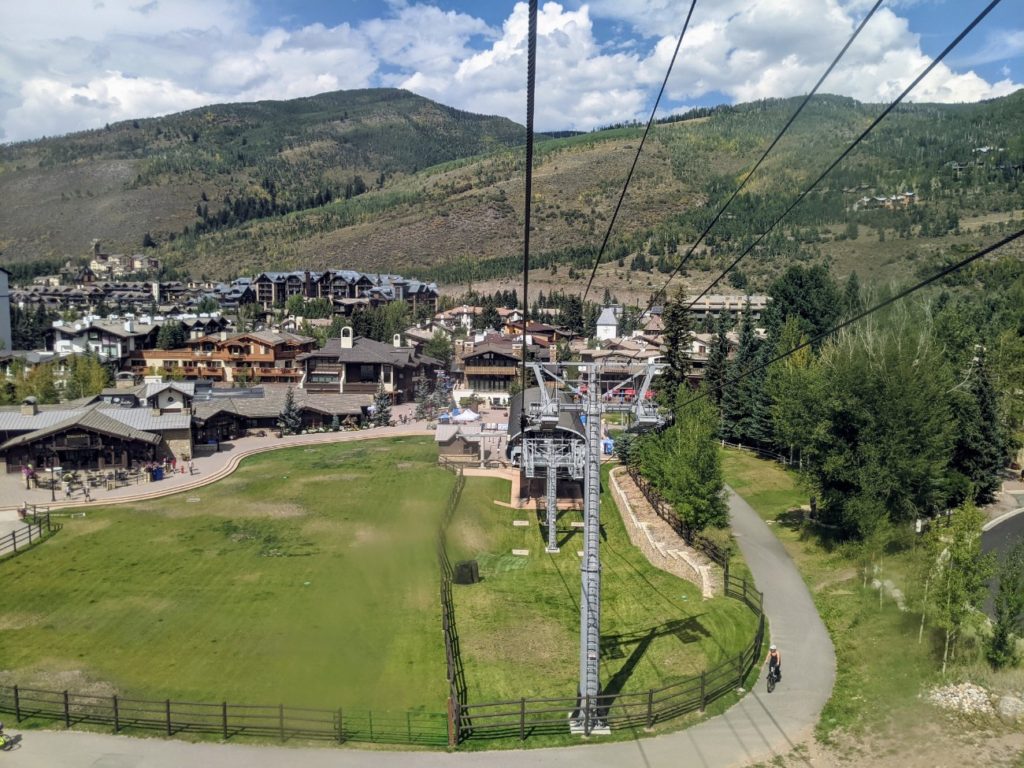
[29, 407]
[129, 325]
[156, 291]
[396, 340]
[346, 337]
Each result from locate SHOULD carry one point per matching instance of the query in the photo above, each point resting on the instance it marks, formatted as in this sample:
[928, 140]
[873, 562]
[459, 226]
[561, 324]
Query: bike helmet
[772, 647]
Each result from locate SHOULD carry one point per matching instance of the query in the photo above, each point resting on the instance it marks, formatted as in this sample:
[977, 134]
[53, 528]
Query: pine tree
[422, 397]
[381, 407]
[737, 401]
[289, 420]
[979, 452]
[678, 336]
[718, 362]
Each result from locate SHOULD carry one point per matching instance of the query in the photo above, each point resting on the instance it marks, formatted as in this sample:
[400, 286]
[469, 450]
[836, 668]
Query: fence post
[408, 726]
[369, 717]
[14, 540]
[67, 711]
[280, 720]
[522, 719]
[17, 705]
[341, 728]
[117, 716]
[650, 708]
[739, 669]
[30, 534]
[224, 719]
[167, 705]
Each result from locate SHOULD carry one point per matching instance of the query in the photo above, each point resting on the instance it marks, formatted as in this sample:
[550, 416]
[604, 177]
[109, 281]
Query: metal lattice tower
[590, 567]
[582, 460]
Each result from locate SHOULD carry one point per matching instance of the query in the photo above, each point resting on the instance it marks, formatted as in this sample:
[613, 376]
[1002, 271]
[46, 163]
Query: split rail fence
[37, 528]
[520, 718]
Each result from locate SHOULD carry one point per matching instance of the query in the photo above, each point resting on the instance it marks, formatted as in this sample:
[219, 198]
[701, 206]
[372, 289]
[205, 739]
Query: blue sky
[73, 64]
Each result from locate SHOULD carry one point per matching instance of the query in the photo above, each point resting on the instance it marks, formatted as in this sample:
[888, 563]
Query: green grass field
[308, 577]
[519, 627]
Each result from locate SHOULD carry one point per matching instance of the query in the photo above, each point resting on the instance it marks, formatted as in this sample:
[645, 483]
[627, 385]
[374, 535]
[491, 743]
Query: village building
[357, 365]
[245, 358]
[95, 436]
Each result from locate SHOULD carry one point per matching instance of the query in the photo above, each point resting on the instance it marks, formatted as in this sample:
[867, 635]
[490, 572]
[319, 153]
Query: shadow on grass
[687, 631]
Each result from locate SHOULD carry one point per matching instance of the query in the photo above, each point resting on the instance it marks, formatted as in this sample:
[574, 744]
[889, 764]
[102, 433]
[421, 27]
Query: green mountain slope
[443, 189]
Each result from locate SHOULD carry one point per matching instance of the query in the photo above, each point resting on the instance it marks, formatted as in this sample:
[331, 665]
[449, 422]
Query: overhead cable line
[778, 137]
[531, 83]
[639, 149]
[861, 315]
[935, 62]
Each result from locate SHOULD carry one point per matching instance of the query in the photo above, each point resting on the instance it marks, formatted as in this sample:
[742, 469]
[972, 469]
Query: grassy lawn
[519, 627]
[881, 668]
[308, 577]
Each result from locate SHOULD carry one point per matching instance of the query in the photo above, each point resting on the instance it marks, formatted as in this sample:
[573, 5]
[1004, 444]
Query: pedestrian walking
[190, 466]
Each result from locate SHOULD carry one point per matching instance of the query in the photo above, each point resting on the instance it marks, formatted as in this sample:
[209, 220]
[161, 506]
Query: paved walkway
[757, 728]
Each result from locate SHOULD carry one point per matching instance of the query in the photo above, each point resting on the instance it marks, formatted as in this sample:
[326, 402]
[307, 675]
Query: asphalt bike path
[759, 727]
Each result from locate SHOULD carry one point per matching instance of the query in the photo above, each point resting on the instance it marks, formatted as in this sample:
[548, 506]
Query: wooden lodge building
[254, 356]
[355, 365]
[95, 436]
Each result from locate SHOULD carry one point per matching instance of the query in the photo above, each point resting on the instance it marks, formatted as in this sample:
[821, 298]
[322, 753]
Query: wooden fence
[537, 716]
[455, 671]
[519, 718]
[225, 719]
[37, 528]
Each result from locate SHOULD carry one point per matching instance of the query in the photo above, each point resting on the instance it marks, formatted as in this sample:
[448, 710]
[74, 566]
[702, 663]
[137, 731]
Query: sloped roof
[92, 419]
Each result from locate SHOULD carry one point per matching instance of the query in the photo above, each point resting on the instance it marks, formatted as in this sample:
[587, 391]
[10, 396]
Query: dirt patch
[21, 620]
[846, 574]
[52, 678]
[250, 509]
[323, 526]
[80, 527]
[364, 535]
[406, 465]
[947, 742]
[536, 642]
[248, 578]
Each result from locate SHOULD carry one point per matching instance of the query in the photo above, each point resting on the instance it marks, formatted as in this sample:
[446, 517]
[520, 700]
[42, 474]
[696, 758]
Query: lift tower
[545, 449]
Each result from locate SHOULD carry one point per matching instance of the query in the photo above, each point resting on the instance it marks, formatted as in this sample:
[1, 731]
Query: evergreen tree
[718, 362]
[172, 335]
[421, 395]
[852, 303]
[810, 293]
[979, 452]
[678, 335]
[738, 397]
[289, 420]
[881, 447]
[381, 407]
[1009, 609]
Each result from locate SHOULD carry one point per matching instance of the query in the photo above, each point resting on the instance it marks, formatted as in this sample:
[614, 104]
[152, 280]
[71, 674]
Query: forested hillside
[386, 180]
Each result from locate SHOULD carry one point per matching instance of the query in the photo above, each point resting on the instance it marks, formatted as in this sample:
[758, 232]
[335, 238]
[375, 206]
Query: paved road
[1000, 539]
[757, 728]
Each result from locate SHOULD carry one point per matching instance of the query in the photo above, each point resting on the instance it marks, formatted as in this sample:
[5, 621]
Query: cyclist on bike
[774, 661]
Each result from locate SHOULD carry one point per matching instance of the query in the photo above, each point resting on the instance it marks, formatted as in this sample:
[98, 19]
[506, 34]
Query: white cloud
[81, 63]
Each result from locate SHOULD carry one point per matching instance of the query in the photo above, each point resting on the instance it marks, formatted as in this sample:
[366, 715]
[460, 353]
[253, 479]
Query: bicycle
[7, 742]
[773, 678]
